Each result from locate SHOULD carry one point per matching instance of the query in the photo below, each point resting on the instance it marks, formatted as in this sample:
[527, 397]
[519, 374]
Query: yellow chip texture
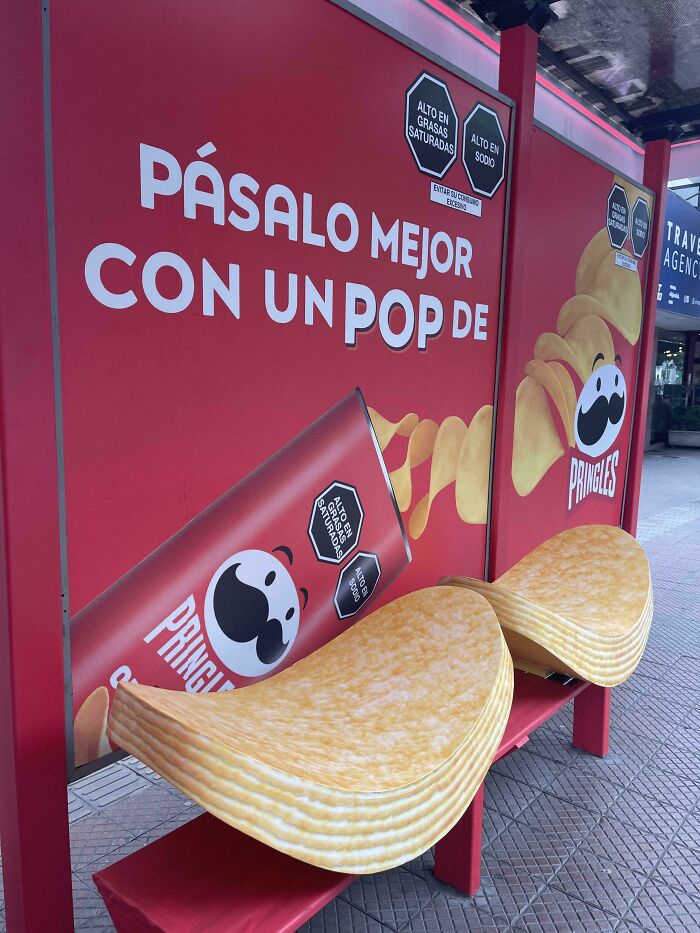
[443, 470]
[549, 346]
[576, 308]
[590, 259]
[619, 292]
[590, 338]
[536, 444]
[358, 757]
[90, 727]
[420, 447]
[473, 469]
[569, 390]
[548, 378]
[584, 596]
[385, 429]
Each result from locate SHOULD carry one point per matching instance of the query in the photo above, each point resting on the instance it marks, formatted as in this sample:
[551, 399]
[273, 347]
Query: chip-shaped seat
[580, 604]
[358, 757]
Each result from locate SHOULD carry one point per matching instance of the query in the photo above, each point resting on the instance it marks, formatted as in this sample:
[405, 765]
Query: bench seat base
[206, 875]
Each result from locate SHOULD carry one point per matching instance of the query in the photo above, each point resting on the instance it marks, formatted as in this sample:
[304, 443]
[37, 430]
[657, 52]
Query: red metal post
[33, 807]
[517, 79]
[458, 854]
[656, 167]
[592, 720]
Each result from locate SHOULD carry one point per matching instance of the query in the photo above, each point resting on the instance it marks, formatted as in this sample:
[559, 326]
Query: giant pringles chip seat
[358, 757]
[581, 604]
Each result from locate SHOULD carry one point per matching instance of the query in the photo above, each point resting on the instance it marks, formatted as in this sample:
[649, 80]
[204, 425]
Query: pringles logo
[599, 415]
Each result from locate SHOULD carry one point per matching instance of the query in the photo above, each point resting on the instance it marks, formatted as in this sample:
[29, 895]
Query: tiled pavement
[571, 842]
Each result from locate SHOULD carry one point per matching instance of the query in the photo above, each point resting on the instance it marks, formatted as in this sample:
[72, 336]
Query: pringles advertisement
[278, 315]
[572, 352]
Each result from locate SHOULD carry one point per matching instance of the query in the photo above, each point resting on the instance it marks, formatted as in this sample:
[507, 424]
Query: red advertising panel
[572, 355]
[260, 208]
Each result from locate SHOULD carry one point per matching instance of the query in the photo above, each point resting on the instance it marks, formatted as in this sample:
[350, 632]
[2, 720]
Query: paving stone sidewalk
[571, 842]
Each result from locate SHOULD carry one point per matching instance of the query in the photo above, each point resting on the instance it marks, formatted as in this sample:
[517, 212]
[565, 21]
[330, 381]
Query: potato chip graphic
[549, 346]
[592, 343]
[473, 469]
[385, 429]
[549, 380]
[448, 443]
[590, 259]
[420, 446]
[90, 727]
[536, 444]
[619, 291]
[576, 308]
[567, 384]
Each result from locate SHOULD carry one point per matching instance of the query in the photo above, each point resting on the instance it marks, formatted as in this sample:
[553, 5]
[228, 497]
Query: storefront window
[670, 364]
[676, 378]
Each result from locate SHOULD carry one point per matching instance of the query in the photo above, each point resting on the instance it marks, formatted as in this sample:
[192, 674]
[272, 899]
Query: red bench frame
[458, 854]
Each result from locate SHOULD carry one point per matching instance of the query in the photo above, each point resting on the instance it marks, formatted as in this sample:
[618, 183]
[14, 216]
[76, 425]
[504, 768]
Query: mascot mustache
[242, 614]
[591, 424]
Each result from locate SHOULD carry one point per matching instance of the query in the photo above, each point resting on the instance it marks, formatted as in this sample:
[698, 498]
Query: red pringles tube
[275, 568]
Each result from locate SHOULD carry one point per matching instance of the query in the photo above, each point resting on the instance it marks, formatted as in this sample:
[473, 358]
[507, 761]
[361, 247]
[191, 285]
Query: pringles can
[278, 566]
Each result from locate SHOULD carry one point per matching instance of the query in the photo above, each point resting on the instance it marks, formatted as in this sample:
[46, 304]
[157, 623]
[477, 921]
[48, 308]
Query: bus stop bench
[208, 875]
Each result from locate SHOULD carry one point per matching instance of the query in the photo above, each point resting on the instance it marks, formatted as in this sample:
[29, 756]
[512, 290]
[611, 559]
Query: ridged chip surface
[356, 758]
[595, 575]
[584, 596]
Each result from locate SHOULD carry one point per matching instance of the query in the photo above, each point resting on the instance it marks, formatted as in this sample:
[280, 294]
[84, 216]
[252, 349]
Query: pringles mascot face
[582, 351]
[252, 611]
[600, 410]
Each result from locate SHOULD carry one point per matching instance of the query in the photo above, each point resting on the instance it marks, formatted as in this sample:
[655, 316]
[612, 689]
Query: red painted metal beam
[656, 168]
[458, 854]
[33, 808]
[517, 72]
[592, 720]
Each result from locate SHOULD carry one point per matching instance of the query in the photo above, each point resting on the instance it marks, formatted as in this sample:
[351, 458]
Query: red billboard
[566, 409]
[258, 209]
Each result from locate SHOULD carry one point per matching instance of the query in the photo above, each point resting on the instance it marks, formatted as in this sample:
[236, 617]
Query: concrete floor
[571, 842]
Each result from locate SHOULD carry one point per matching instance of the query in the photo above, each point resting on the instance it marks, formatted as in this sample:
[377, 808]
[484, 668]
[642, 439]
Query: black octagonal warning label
[618, 221]
[336, 520]
[356, 584]
[484, 150]
[431, 125]
[640, 227]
